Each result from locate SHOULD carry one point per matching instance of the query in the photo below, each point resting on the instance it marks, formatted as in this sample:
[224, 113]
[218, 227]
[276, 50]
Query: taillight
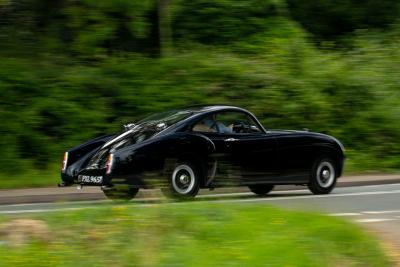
[110, 161]
[65, 161]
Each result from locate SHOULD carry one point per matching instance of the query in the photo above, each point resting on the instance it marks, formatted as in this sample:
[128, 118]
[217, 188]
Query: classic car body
[204, 147]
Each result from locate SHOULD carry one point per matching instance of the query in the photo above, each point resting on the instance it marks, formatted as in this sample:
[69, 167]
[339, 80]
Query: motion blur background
[71, 70]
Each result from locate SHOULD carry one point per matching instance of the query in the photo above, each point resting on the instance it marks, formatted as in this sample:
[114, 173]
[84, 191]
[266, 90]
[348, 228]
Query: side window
[236, 122]
[207, 125]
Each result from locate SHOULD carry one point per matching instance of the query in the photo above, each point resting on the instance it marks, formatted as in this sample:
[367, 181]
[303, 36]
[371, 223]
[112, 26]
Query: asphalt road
[376, 207]
[67, 194]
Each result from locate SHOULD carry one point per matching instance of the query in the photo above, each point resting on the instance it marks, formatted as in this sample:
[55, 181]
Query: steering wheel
[239, 127]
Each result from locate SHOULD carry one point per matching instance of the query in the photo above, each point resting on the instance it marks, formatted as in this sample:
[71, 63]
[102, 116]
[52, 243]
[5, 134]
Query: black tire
[183, 181]
[261, 189]
[121, 194]
[323, 176]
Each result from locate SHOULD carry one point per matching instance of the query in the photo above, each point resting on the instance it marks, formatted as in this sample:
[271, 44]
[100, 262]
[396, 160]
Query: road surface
[54, 194]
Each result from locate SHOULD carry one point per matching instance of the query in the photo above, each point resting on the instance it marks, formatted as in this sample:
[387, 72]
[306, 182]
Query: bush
[247, 53]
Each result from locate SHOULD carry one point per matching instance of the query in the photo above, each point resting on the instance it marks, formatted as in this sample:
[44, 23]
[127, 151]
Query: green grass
[31, 178]
[360, 163]
[193, 234]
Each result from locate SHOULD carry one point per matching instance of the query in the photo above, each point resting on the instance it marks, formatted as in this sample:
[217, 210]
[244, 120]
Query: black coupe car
[181, 151]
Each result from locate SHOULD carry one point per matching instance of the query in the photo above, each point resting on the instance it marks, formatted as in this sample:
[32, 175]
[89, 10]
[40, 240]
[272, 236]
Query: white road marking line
[345, 214]
[311, 196]
[200, 196]
[227, 195]
[374, 220]
[39, 210]
[57, 203]
[294, 197]
[291, 191]
[381, 212]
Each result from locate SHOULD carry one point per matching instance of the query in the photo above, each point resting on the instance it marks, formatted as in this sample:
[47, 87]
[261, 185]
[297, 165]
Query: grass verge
[187, 234]
[31, 178]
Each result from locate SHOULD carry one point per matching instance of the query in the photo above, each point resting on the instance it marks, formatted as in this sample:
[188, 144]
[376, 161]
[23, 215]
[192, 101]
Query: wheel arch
[331, 152]
[194, 148]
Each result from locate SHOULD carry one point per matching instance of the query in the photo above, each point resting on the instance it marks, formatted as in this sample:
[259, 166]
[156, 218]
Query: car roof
[208, 108]
[198, 111]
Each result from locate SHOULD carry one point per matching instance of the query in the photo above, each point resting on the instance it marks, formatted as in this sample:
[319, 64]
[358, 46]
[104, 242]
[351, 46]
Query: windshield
[168, 117]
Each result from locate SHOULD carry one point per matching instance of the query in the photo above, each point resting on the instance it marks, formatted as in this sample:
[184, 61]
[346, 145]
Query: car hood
[307, 133]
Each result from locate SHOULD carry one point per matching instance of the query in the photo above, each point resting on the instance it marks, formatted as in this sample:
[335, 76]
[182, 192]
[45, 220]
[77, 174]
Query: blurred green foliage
[224, 21]
[328, 19]
[188, 234]
[71, 70]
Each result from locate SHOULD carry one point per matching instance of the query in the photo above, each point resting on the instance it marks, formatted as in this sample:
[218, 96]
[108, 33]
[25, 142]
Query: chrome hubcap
[183, 179]
[325, 174]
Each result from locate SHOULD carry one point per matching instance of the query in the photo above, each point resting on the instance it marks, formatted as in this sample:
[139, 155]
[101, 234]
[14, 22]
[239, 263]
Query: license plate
[90, 179]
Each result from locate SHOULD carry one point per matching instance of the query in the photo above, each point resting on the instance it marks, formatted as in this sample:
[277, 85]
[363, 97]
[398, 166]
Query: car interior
[227, 123]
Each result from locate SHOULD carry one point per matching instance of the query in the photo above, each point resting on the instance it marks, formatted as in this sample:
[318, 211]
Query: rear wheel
[121, 194]
[323, 176]
[261, 189]
[184, 182]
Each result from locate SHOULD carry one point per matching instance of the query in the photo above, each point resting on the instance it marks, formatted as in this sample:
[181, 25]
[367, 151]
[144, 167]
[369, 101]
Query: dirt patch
[20, 231]
[389, 244]
[393, 251]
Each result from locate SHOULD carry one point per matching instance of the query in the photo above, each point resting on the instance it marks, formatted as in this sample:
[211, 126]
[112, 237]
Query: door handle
[231, 140]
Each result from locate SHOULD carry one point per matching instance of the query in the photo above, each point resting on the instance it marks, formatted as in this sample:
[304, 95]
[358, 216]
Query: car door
[251, 152]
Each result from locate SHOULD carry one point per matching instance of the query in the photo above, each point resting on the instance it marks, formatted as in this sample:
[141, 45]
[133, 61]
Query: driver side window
[236, 122]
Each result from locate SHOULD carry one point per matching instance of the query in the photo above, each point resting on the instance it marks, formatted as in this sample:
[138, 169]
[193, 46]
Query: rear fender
[195, 148]
[78, 152]
[79, 156]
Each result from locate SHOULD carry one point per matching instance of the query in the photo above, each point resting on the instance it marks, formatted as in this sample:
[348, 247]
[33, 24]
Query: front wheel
[323, 176]
[184, 182]
[261, 189]
[121, 194]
